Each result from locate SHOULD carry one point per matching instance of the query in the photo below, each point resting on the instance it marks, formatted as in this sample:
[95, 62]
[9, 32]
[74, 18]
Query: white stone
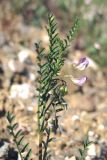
[91, 133]
[4, 149]
[15, 66]
[23, 91]
[45, 38]
[32, 76]
[91, 150]
[11, 65]
[71, 158]
[101, 127]
[87, 158]
[75, 118]
[23, 55]
[30, 108]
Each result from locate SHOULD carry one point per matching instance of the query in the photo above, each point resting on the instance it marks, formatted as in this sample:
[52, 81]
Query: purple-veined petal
[82, 64]
[79, 81]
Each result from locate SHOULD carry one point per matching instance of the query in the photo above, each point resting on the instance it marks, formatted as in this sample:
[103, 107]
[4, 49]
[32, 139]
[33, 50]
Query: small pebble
[91, 150]
[23, 91]
[71, 158]
[4, 147]
[75, 118]
[91, 133]
[23, 55]
[88, 158]
[15, 66]
[101, 127]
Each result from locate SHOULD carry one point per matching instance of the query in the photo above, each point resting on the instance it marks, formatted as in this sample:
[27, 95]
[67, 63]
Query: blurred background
[22, 23]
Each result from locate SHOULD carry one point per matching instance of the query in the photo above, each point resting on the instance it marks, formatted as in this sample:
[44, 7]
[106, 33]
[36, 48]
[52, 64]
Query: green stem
[46, 147]
[49, 105]
[40, 145]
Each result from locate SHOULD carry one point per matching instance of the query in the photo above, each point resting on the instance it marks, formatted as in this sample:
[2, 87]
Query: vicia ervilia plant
[52, 89]
[18, 137]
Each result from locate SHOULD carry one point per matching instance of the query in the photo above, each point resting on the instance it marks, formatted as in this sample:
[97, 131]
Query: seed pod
[63, 90]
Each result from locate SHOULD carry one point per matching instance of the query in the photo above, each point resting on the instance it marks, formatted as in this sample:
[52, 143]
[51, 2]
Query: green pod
[63, 90]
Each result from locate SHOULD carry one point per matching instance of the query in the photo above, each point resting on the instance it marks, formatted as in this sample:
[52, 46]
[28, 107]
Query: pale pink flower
[82, 64]
[79, 81]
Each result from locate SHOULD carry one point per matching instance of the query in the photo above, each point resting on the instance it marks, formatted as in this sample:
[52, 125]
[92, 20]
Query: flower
[79, 81]
[82, 64]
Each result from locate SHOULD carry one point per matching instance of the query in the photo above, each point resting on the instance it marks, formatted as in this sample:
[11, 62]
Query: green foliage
[51, 88]
[54, 61]
[83, 152]
[18, 137]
